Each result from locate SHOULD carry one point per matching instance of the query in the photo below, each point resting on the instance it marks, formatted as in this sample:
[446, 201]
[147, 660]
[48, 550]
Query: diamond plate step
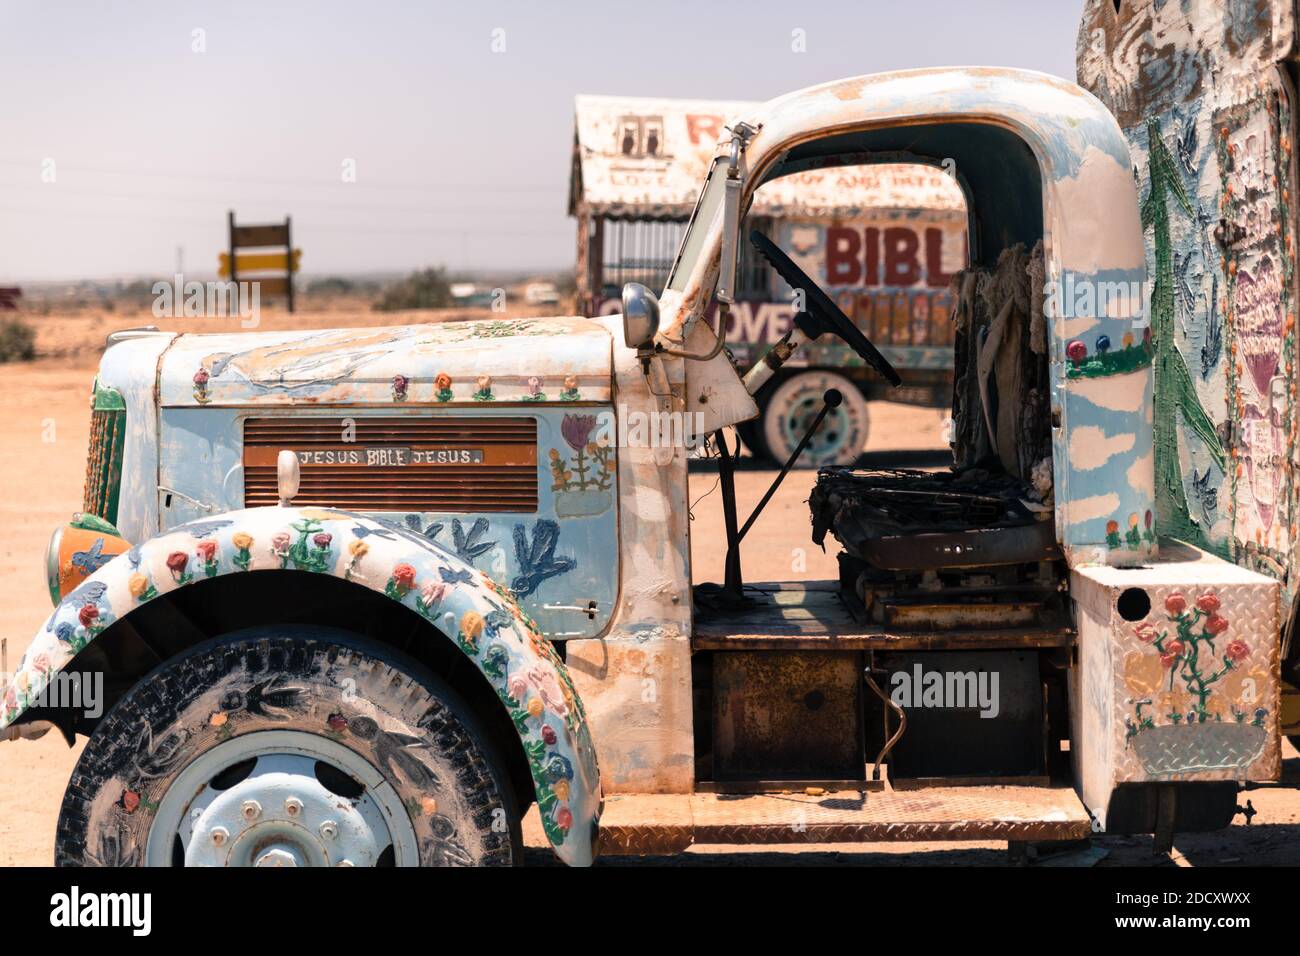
[643, 824]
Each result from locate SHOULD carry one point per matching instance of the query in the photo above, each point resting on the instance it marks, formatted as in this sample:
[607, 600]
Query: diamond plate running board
[643, 824]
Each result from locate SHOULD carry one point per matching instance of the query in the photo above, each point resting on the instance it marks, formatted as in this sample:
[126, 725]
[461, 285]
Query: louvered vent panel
[397, 464]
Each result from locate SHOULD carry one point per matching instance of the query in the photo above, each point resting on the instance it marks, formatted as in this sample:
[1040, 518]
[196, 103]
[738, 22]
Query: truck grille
[104, 463]
[432, 464]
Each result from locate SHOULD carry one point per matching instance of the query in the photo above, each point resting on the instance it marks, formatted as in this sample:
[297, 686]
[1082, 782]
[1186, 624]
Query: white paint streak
[1090, 447]
[1098, 506]
[1116, 393]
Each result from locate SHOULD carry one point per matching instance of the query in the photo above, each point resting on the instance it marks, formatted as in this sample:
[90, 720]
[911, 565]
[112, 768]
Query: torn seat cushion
[862, 508]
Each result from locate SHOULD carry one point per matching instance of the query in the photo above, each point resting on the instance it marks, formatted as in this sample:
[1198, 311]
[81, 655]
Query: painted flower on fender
[400, 581]
[542, 677]
[517, 685]
[1237, 650]
[1175, 604]
[1145, 633]
[1208, 602]
[207, 553]
[400, 385]
[87, 615]
[178, 563]
[243, 541]
[1216, 625]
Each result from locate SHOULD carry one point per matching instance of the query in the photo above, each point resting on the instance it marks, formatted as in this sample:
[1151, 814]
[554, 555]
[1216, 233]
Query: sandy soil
[43, 431]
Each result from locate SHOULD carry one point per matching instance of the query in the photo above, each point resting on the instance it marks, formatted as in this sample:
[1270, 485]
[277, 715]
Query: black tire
[406, 723]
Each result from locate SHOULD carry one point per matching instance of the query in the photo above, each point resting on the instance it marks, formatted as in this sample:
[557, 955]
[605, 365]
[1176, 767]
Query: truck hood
[512, 360]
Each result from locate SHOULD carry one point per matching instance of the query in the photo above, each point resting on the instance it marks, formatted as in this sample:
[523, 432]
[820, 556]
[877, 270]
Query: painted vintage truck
[364, 597]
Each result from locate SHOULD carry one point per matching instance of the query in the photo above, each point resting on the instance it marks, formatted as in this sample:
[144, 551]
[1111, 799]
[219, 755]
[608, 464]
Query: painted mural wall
[1208, 116]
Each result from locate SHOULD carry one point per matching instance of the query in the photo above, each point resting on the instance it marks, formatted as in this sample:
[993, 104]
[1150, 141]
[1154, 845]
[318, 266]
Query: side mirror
[640, 316]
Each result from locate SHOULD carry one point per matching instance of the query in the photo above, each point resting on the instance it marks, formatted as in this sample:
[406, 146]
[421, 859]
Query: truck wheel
[792, 407]
[288, 747]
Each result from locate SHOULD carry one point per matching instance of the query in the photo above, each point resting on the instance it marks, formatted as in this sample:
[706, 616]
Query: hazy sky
[461, 154]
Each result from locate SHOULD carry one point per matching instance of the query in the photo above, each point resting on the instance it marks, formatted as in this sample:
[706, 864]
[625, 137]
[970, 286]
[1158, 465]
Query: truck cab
[447, 569]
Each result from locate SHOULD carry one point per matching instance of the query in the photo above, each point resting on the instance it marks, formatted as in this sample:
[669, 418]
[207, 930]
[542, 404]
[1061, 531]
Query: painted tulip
[535, 707]
[517, 685]
[1216, 625]
[1076, 351]
[1236, 650]
[42, 663]
[564, 818]
[201, 377]
[400, 382]
[280, 541]
[442, 380]
[548, 735]
[207, 550]
[88, 615]
[137, 584]
[577, 430]
[358, 548]
[242, 540]
[1175, 604]
[433, 593]
[561, 789]
[323, 539]
[1145, 633]
[1209, 603]
[177, 561]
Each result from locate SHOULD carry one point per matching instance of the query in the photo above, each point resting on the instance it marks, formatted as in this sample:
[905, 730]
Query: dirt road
[44, 422]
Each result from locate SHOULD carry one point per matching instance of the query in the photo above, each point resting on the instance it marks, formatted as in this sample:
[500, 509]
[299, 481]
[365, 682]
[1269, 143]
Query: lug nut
[293, 806]
[329, 829]
[252, 809]
[219, 835]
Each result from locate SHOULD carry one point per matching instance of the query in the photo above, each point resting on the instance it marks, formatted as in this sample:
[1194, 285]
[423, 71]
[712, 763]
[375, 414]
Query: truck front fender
[465, 605]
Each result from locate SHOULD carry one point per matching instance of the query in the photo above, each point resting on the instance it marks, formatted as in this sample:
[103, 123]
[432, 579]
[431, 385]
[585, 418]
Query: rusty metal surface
[787, 715]
[668, 824]
[954, 614]
[812, 616]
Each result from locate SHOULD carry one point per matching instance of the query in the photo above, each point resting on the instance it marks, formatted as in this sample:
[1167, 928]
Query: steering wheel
[823, 313]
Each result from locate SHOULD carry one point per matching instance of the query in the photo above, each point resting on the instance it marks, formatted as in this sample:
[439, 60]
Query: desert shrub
[17, 341]
[426, 289]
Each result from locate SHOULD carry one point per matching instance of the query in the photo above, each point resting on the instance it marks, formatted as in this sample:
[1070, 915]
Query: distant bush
[331, 285]
[17, 341]
[426, 289]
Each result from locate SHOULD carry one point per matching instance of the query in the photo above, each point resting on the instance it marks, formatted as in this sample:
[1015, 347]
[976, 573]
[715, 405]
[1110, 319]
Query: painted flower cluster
[1190, 656]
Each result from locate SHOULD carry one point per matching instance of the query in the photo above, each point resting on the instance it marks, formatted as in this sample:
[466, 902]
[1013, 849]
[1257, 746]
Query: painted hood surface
[501, 360]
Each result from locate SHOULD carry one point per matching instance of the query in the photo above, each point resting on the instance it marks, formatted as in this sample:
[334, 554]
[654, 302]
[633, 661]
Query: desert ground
[44, 422]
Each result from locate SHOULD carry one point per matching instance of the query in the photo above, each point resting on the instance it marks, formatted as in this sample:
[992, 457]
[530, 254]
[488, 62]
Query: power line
[395, 186]
[50, 189]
